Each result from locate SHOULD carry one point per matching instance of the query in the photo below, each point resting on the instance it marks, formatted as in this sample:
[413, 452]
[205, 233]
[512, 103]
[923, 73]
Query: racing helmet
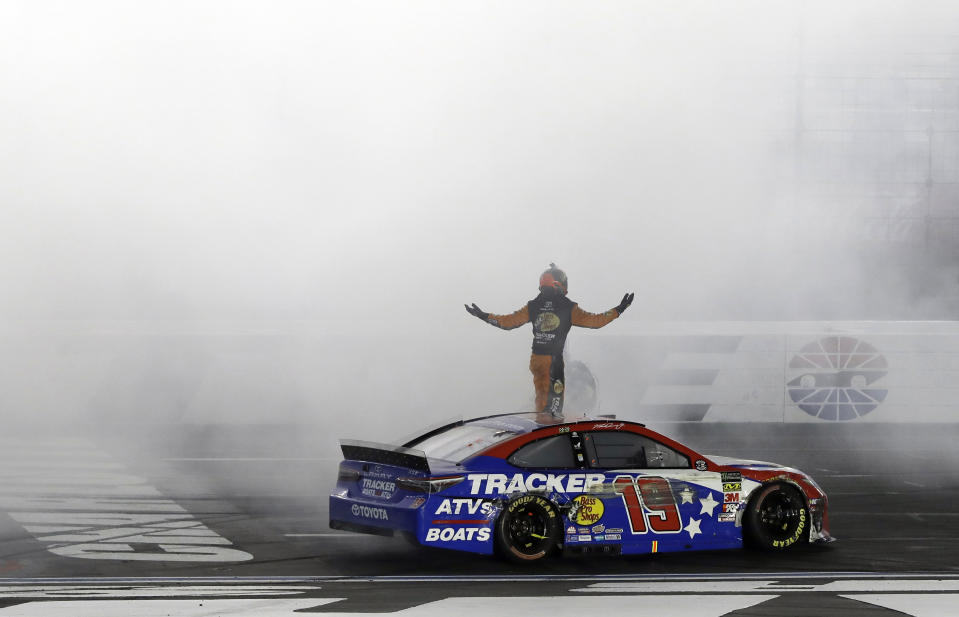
[553, 278]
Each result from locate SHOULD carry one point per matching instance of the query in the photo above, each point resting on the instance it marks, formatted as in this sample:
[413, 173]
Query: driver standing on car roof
[552, 314]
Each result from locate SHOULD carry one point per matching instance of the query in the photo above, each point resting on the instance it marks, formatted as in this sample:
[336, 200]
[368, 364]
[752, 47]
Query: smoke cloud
[248, 212]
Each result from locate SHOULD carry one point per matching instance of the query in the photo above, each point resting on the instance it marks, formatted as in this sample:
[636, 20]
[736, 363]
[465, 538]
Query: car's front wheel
[528, 529]
[776, 518]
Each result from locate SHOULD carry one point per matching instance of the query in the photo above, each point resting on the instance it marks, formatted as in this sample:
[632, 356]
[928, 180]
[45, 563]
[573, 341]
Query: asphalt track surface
[251, 500]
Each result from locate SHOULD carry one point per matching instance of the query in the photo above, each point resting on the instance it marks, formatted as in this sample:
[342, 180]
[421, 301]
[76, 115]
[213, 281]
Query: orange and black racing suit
[552, 316]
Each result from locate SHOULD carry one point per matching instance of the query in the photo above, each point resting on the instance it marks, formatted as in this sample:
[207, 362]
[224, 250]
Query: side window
[625, 450]
[551, 452]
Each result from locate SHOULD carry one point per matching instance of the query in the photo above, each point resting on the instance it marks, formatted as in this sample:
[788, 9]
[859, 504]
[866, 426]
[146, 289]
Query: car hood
[749, 464]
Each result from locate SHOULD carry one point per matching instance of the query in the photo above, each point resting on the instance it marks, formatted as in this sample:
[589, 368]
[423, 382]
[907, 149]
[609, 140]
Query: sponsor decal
[613, 530]
[377, 488]
[609, 425]
[598, 538]
[599, 528]
[570, 529]
[501, 483]
[465, 506]
[583, 530]
[377, 514]
[563, 429]
[726, 517]
[613, 536]
[546, 322]
[701, 465]
[585, 538]
[586, 510]
[731, 476]
[800, 529]
[416, 503]
[835, 378]
[457, 534]
[731, 497]
[730, 507]
[570, 538]
[731, 487]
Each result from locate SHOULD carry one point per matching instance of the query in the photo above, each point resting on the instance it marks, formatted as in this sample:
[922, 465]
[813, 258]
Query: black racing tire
[776, 518]
[528, 529]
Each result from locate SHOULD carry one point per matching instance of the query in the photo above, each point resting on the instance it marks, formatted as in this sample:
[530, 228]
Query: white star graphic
[709, 504]
[687, 495]
[692, 528]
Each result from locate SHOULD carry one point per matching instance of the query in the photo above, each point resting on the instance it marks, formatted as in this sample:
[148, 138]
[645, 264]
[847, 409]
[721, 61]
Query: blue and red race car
[510, 485]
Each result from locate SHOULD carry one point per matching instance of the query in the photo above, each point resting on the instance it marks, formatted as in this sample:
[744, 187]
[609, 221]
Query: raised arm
[506, 322]
[585, 319]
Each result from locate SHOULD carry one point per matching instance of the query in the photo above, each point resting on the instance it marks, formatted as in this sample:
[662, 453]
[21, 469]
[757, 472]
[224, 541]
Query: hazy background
[253, 211]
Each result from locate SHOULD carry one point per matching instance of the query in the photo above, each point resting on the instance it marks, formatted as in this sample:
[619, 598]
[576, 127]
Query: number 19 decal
[651, 506]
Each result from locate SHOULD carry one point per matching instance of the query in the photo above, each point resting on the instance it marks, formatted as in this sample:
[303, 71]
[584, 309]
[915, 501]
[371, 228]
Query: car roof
[524, 422]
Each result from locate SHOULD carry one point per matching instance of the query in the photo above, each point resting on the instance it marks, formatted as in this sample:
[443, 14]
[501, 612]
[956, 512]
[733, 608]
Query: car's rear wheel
[776, 519]
[528, 529]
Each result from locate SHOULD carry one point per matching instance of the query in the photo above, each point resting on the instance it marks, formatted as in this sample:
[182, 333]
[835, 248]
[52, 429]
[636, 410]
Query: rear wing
[384, 454]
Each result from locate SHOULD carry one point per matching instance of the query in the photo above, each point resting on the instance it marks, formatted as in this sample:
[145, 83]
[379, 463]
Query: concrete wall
[407, 377]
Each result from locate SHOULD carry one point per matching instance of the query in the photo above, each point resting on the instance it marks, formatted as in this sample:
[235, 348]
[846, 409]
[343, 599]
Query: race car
[511, 485]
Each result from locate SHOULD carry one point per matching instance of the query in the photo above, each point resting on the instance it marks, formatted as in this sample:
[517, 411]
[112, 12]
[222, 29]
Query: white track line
[245, 459]
[323, 535]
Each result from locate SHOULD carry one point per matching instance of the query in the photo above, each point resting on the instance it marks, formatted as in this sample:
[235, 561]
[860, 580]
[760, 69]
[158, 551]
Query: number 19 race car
[510, 485]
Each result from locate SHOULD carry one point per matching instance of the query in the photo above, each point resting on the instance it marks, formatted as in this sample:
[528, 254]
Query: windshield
[461, 442]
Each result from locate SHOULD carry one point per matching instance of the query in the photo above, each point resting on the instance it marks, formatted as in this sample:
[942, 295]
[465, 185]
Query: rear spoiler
[384, 454]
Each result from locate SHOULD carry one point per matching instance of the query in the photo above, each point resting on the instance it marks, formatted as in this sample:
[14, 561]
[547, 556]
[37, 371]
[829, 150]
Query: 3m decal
[650, 505]
[500, 483]
[460, 534]
[465, 506]
[731, 497]
[586, 510]
[377, 514]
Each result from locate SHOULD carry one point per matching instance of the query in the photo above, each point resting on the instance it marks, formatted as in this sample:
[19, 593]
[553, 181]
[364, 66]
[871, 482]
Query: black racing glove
[627, 300]
[477, 311]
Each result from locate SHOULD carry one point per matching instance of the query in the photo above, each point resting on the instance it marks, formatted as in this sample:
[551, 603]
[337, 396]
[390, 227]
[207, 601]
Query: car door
[665, 503]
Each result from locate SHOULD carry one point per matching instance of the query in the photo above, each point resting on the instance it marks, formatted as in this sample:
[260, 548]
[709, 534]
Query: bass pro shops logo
[835, 377]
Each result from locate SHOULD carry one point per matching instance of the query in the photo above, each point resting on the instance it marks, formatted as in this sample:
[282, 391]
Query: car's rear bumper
[375, 517]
